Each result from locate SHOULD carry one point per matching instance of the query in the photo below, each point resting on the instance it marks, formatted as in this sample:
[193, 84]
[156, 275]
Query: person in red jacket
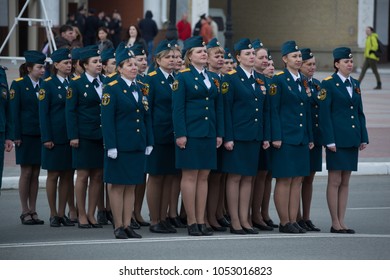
[183, 28]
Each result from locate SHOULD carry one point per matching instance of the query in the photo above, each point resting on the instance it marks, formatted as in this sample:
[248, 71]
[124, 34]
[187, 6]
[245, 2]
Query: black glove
[371, 51]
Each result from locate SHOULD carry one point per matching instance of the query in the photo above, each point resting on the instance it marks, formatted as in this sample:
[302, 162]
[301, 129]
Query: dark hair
[23, 68]
[236, 53]
[371, 28]
[66, 27]
[139, 36]
[83, 61]
[334, 64]
[105, 30]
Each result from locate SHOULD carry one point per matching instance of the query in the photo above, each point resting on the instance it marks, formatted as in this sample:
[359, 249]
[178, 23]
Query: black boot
[379, 86]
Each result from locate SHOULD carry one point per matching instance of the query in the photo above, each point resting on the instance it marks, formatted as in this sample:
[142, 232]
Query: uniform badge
[357, 90]
[41, 94]
[322, 95]
[273, 89]
[260, 81]
[69, 93]
[4, 93]
[263, 89]
[175, 85]
[145, 102]
[11, 94]
[145, 89]
[105, 99]
[216, 82]
[318, 88]
[225, 87]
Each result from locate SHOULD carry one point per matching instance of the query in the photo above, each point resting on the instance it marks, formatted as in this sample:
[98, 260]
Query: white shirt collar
[166, 74]
[127, 81]
[248, 74]
[343, 79]
[295, 77]
[90, 78]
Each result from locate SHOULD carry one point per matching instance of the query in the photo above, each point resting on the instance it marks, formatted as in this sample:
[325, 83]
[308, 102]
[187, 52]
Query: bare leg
[95, 186]
[116, 193]
[295, 198]
[201, 196]
[63, 190]
[232, 196]
[188, 189]
[81, 193]
[71, 198]
[266, 197]
[139, 199]
[174, 198]
[332, 196]
[281, 198]
[244, 200]
[153, 195]
[213, 198]
[343, 197]
[166, 194]
[51, 191]
[258, 195]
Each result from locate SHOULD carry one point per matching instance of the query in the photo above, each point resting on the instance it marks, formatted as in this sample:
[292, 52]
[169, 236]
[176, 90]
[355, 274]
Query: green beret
[243, 44]
[123, 54]
[60, 54]
[257, 44]
[193, 42]
[138, 49]
[213, 43]
[75, 54]
[342, 52]
[35, 57]
[227, 54]
[289, 47]
[89, 51]
[108, 54]
[306, 54]
[164, 45]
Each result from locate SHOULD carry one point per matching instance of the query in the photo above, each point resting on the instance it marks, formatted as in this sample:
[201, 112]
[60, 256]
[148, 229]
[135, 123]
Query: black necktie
[170, 79]
[202, 75]
[298, 81]
[66, 83]
[347, 83]
[252, 79]
[36, 87]
[95, 83]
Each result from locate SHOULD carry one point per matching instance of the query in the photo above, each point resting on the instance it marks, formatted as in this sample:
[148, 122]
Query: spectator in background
[135, 37]
[80, 19]
[78, 38]
[149, 30]
[198, 25]
[103, 41]
[91, 27]
[66, 37]
[71, 20]
[214, 27]
[103, 20]
[183, 29]
[115, 27]
[205, 31]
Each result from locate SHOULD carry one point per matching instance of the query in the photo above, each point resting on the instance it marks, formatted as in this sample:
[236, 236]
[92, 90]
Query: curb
[364, 168]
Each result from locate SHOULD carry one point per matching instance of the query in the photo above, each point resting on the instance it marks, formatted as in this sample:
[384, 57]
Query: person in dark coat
[24, 94]
[149, 30]
[91, 27]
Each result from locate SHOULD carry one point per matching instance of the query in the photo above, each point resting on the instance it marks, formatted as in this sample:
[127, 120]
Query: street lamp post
[172, 30]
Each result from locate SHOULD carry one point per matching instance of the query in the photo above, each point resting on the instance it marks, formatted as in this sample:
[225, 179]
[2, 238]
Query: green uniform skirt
[243, 159]
[345, 159]
[89, 154]
[162, 160]
[316, 159]
[29, 152]
[126, 169]
[200, 153]
[57, 159]
[265, 159]
[290, 161]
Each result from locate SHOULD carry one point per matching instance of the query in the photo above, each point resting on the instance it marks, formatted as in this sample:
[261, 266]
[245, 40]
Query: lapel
[341, 87]
[128, 91]
[245, 80]
[88, 88]
[29, 89]
[162, 81]
[355, 91]
[60, 88]
[198, 79]
[293, 86]
[260, 83]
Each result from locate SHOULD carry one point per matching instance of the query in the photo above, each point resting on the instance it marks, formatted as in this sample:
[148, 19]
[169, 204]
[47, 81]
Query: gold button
[137, 129]
[206, 118]
[207, 108]
[353, 126]
[301, 125]
[301, 114]
[351, 107]
[352, 117]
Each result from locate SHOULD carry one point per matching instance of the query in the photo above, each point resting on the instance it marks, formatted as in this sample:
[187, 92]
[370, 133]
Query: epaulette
[19, 79]
[76, 78]
[111, 75]
[280, 73]
[232, 72]
[328, 78]
[47, 79]
[151, 74]
[185, 70]
[113, 83]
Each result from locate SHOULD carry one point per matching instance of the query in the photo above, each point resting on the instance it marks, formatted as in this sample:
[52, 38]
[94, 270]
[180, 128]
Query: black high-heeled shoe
[26, 222]
[250, 230]
[193, 230]
[97, 225]
[204, 230]
[237, 231]
[131, 233]
[36, 220]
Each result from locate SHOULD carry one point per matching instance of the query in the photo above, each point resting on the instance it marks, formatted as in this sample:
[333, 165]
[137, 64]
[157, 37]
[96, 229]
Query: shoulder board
[19, 79]
[48, 79]
[111, 75]
[328, 78]
[185, 70]
[113, 83]
[232, 72]
[280, 73]
[151, 74]
[76, 78]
